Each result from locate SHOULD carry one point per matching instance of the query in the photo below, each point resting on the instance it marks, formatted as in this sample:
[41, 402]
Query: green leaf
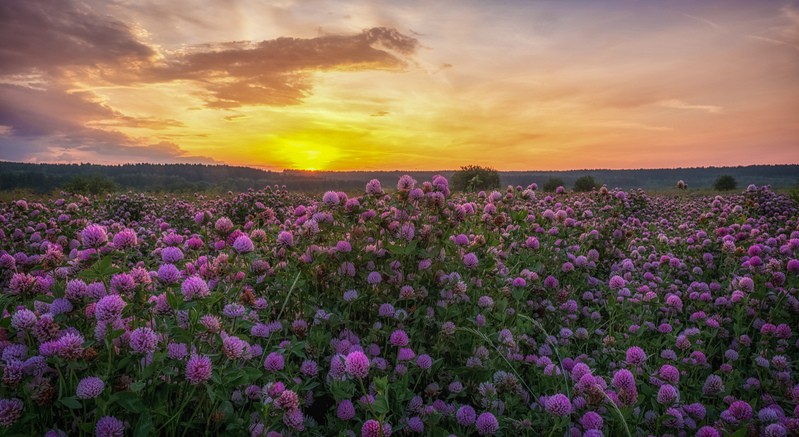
[144, 426]
[740, 433]
[381, 384]
[172, 299]
[71, 403]
[137, 386]
[114, 334]
[342, 390]
[130, 402]
[381, 405]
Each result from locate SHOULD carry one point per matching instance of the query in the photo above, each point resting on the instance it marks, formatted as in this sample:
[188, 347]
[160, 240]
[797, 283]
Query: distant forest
[45, 178]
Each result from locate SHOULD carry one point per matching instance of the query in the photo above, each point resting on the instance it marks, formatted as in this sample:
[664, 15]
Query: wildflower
[371, 428]
[741, 410]
[616, 282]
[399, 338]
[23, 319]
[243, 244]
[424, 361]
[667, 394]
[558, 405]
[234, 310]
[294, 419]
[90, 387]
[466, 415]
[168, 273]
[223, 225]
[636, 356]
[194, 286]
[176, 351]
[287, 400]
[143, 340]
[70, 346]
[345, 410]
[415, 424]
[486, 424]
[406, 183]
[171, 254]
[713, 385]
[198, 369]
[93, 236]
[234, 347]
[274, 362]
[357, 364]
[669, 374]
[109, 426]
[76, 289]
[405, 354]
[285, 239]
[373, 188]
[330, 198]
[374, 278]
[125, 239]
[350, 295]
[775, 430]
[591, 420]
[708, 431]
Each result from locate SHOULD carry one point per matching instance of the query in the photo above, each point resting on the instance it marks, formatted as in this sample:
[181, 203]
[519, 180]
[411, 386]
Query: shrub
[725, 183]
[474, 178]
[552, 184]
[585, 184]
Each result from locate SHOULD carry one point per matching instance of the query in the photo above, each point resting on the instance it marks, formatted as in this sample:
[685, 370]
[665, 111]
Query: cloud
[48, 34]
[679, 104]
[703, 20]
[278, 72]
[236, 117]
[51, 125]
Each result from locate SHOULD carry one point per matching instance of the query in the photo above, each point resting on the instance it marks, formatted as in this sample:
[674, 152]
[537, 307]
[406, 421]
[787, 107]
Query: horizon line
[398, 170]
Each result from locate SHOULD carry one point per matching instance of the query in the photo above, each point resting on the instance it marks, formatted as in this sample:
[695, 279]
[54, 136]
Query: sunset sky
[415, 85]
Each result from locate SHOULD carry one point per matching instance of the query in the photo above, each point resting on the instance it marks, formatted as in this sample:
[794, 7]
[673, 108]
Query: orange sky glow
[416, 85]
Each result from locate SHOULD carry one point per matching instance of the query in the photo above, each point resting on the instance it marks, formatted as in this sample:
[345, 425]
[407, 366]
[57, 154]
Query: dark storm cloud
[44, 124]
[277, 72]
[47, 34]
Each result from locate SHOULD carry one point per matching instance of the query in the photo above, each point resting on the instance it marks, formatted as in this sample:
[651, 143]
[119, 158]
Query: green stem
[180, 410]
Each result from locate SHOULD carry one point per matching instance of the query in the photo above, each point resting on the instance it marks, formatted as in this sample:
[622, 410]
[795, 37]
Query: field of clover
[401, 312]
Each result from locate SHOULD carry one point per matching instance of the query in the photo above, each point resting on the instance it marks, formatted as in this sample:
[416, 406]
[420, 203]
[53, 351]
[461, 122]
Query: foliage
[191, 178]
[585, 184]
[475, 178]
[725, 183]
[95, 184]
[552, 184]
[607, 312]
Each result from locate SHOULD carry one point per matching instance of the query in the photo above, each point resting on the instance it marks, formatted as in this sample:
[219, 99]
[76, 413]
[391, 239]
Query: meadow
[402, 311]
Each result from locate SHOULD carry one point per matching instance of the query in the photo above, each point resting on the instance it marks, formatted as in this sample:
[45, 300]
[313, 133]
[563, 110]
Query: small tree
[475, 177]
[725, 183]
[585, 184]
[552, 184]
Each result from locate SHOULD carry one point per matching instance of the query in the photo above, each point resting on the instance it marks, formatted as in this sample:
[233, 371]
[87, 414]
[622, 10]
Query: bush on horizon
[475, 178]
[725, 183]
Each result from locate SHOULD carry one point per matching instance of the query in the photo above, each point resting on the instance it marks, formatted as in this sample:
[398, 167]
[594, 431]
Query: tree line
[95, 179]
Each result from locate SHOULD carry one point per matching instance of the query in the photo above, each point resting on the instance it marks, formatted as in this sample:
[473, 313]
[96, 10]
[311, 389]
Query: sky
[411, 85]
